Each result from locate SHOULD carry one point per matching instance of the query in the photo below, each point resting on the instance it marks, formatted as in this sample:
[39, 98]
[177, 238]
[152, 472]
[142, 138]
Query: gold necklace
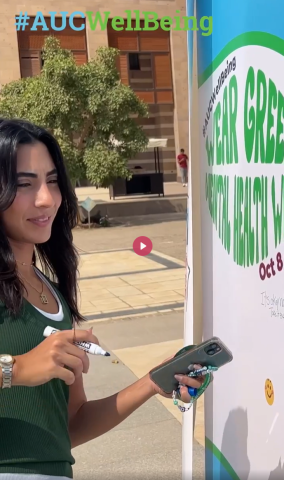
[25, 264]
[42, 296]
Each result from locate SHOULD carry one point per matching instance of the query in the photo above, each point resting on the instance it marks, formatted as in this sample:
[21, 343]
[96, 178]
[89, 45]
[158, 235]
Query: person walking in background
[182, 159]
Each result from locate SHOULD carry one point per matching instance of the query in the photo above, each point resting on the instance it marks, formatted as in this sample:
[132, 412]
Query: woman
[44, 413]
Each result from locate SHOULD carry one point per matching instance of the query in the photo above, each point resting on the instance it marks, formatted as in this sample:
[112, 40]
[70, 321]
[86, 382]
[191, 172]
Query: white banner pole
[188, 418]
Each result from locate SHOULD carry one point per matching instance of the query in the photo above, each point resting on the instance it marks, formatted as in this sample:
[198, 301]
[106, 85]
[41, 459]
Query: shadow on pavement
[147, 219]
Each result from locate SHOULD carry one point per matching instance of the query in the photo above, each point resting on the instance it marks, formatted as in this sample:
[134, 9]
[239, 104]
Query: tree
[87, 109]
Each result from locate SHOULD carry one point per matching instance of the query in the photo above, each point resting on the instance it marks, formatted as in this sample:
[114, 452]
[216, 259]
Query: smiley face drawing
[269, 391]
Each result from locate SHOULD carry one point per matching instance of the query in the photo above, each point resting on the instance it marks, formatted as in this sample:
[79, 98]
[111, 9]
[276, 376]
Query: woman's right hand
[55, 357]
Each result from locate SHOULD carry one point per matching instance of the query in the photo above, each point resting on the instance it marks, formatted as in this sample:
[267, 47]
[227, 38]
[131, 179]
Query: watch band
[6, 365]
[7, 371]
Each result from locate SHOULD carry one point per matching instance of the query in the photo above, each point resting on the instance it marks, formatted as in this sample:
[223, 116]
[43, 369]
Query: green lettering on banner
[264, 99]
[279, 155]
[238, 221]
[217, 195]
[264, 219]
[256, 199]
[277, 212]
[209, 151]
[249, 237]
[223, 149]
[261, 99]
[217, 135]
[250, 197]
[249, 115]
[270, 138]
[233, 98]
[246, 238]
[225, 130]
[226, 232]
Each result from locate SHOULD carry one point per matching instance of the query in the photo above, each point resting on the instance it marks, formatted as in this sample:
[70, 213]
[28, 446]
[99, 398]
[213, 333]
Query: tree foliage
[86, 107]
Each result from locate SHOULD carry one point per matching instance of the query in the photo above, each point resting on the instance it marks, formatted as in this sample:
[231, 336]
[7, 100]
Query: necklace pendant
[43, 299]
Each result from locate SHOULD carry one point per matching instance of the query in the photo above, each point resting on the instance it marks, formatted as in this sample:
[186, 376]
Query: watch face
[6, 359]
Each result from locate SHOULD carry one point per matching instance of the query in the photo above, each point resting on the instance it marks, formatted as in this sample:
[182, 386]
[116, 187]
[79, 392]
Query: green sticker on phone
[185, 349]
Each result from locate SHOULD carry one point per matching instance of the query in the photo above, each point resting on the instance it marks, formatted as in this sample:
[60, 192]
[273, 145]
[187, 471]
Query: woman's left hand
[184, 380]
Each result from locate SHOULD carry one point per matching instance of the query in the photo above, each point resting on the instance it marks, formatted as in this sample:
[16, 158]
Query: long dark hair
[58, 256]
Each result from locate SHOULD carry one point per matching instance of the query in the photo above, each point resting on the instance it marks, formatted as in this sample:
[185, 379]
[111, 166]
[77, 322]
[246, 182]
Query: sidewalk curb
[134, 315]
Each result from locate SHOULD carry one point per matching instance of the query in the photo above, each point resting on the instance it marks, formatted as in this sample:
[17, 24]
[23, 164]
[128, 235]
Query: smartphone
[213, 353]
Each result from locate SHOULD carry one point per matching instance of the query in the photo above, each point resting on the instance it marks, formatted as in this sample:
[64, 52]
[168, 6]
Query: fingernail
[178, 377]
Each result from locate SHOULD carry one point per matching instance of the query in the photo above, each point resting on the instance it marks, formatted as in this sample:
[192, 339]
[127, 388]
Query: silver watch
[6, 364]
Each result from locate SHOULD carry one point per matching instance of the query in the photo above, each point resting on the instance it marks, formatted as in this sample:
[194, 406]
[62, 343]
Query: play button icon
[142, 246]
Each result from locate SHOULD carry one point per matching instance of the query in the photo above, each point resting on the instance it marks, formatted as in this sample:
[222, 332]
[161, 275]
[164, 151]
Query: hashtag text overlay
[150, 21]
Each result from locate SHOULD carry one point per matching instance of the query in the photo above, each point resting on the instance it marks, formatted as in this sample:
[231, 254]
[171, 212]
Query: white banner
[241, 130]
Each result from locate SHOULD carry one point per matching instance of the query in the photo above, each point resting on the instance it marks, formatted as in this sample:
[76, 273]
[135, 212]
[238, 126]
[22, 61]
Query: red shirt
[182, 160]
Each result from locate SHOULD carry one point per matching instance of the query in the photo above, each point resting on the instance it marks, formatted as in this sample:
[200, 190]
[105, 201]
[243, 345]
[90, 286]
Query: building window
[134, 63]
[30, 45]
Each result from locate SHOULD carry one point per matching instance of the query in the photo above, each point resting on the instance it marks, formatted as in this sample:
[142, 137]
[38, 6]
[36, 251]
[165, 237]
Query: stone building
[153, 63]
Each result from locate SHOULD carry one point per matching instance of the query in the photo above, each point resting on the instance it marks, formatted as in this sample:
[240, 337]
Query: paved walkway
[135, 305]
[148, 444]
[167, 232]
[119, 283]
